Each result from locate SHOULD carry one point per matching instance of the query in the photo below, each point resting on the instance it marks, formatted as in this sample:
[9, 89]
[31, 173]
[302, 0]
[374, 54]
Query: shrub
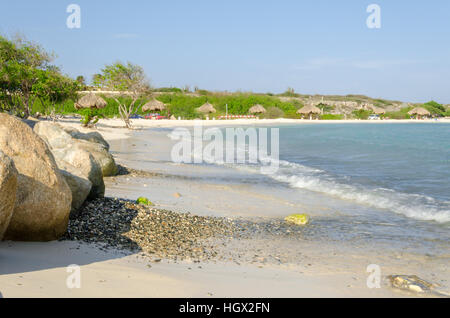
[169, 90]
[274, 113]
[361, 113]
[91, 116]
[401, 114]
[144, 201]
[435, 108]
[331, 117]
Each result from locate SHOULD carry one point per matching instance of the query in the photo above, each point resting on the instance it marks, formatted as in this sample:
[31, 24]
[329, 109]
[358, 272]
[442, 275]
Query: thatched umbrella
[257, 109]
[419, 111]
[153, 105]
[309, 110]
[378, 110]
[90, 101]
[206, 109]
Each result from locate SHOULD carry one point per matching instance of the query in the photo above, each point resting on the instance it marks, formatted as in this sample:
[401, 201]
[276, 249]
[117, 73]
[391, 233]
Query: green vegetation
[169, 90]
[290, 92]
[401, 114]
[447, 113]
[144, 201]
[129, 79]
[297, 219]
[184, 106]
[202, 92]
[361, 114]
[325, 108]
[91, 116]
[27, 76]
[332, 117]
[30, 84]
[274, 113]
[436, 109]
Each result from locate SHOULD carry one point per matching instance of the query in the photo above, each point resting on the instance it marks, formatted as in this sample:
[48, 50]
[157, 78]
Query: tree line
[27, 77]
[29, 81]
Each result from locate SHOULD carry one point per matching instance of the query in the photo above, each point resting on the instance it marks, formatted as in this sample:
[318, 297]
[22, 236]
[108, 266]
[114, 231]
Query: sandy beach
[248, 267]
[111, 134]
[200, 151]
[39, 270]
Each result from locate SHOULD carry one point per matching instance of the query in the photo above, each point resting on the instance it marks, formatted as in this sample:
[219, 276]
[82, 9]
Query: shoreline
[116, 274]
[247, 268]
[117, 124]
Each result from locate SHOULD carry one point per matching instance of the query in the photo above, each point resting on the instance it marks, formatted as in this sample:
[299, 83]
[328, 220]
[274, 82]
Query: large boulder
[8, 189]
[103, 157]
[92, 136]
[79, 162]
[43, 200]
[59, 137]
[80, 187]
[72, 157]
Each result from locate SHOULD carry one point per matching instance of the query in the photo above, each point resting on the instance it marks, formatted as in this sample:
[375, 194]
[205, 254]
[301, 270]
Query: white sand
[113, 129]
[39, 269]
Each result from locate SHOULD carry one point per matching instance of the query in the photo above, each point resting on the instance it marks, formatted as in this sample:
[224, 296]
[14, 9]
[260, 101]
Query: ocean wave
[415, 206]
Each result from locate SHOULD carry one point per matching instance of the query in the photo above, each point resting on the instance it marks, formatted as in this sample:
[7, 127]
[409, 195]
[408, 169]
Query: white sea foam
[415, 206]
[420, 207]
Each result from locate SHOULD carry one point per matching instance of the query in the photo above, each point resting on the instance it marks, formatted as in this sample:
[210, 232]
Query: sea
[383, 184]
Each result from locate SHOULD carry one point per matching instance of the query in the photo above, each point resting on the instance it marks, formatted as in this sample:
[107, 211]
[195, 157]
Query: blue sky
[316, 47]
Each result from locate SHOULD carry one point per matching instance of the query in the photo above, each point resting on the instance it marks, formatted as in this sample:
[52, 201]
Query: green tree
[26, 75]
[274, 113]
[53, 89]
[325, 108]
[435, 108]
[81, 81]
[362, 113]
[130, 79]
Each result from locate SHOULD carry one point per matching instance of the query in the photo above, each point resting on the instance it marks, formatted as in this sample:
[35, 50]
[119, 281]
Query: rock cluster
[43, 198]
[122, 224]
[8, 189]
[74, 157]
[45, 174]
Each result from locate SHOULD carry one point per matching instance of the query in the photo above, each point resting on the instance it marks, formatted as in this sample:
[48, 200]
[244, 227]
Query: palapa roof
[419, 111]
[257, 109]
[309, 109]
[90, 101]
[206, 109]
[378, 110]
[153, 105]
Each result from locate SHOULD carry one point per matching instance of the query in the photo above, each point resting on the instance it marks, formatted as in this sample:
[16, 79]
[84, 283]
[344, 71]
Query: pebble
[122, 224]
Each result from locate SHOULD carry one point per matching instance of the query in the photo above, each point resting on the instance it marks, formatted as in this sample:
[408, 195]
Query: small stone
[411, 283]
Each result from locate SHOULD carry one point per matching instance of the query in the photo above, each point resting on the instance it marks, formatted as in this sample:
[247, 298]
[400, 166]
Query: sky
[315, 46]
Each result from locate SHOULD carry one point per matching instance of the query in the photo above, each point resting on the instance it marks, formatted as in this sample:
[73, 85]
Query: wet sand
[267, 264]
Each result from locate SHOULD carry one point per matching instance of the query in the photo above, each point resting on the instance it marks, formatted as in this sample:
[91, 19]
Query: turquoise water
[402, 168]
[387, 185]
